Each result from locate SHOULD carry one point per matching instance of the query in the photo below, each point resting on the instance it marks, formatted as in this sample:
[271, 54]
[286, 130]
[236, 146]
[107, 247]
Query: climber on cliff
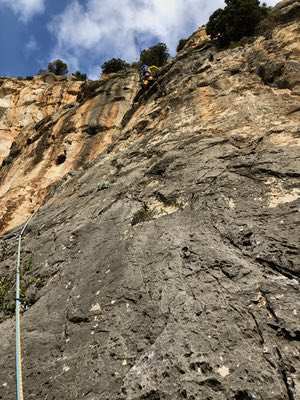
[148, 75]
[148, 79]
[144, 69]
[154, 70]
[145, 77]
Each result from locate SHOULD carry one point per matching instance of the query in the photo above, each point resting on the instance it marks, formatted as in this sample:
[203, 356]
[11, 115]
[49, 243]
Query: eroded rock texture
[52, 126]
[168, 267]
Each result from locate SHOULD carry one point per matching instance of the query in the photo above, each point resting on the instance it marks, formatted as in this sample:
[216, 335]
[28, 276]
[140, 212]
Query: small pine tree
[58, 67]
[156, 55]
[114, 65]
[238, 19]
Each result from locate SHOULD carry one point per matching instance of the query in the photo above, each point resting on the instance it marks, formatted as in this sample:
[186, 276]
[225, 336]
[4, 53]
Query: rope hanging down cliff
[19, 375]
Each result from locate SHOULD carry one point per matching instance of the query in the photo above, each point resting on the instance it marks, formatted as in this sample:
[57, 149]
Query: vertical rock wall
[168, 267]
[51, 126]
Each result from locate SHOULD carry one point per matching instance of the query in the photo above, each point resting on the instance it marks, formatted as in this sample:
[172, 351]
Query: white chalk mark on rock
[96, 307]
[223, 371]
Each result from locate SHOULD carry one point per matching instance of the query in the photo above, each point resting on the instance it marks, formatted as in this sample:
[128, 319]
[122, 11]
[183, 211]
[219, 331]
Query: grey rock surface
[168, 268]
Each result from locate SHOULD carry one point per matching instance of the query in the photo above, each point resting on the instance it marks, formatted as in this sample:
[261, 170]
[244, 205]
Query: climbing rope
[19, 374]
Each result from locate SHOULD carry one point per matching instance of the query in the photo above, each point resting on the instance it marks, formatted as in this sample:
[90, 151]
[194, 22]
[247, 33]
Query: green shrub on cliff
[80, 76]
[114, 65]
[238, 19]
[181, 44]
[58, 67]
[156, 55]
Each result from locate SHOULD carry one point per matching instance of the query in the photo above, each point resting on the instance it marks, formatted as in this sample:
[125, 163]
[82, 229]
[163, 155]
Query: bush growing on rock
[58, 67]
[156, 55]
[114, 65]
[181, 44]
[80, 76]
[238, 19]
[6, 298]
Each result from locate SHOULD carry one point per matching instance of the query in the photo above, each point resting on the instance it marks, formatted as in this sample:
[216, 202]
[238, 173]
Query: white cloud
[25, 9]
[32, 45]
[114, 28]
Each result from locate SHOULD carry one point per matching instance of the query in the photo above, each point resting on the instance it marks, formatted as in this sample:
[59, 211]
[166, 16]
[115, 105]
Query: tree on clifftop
[156, 55]
[238, 19]
[80, 76]
[114, 65]
[181, 44]
[58, 67]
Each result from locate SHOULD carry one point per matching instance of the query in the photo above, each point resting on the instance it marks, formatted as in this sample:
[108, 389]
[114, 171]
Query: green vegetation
[238, 19]
[80, 76]
[7, 304]
[30, 282]
[103, 186]
[28, 265]
[58, 67]
[4, 288]
[29, 279]
[181, 44]
[114, 65]
[145, 214]
[156, 55]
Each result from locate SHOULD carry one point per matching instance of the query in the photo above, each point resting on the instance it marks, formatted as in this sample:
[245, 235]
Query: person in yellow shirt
[149, 75]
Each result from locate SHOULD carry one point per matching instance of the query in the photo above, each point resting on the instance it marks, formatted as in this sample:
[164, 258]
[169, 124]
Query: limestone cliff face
[167, 267]
[24, 103]
[50, 126]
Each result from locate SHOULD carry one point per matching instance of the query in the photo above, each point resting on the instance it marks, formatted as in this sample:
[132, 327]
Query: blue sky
[85, 33]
